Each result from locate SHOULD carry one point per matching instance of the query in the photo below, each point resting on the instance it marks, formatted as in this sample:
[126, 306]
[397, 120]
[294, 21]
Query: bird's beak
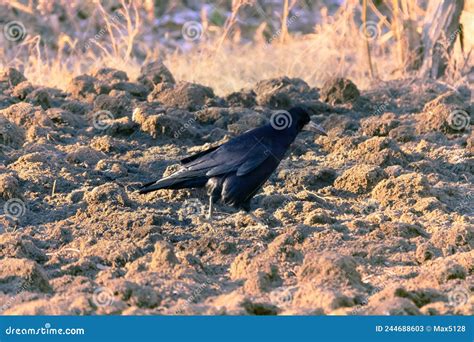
[312, 127]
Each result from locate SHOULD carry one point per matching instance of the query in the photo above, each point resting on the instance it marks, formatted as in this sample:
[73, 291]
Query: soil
[376, 218]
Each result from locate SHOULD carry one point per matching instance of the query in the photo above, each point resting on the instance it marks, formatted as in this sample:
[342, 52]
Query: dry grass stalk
[284, 22]
[21, 7]
[396, 28]
[439, 38]
[375, 10]
[329, 51]
[367, 45]
[230, 22]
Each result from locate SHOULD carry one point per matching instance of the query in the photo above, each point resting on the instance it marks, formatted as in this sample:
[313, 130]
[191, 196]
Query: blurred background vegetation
[230, 44]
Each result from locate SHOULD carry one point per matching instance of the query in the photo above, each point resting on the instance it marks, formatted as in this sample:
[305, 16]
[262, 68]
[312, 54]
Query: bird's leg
[211, 208]
[207, 219]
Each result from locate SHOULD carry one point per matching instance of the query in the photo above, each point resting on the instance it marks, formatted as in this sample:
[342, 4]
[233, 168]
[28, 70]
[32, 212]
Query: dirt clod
[360, 178]
[375, 218]
[154, 73]
[339, 90]
[22, 273]
[183, 95]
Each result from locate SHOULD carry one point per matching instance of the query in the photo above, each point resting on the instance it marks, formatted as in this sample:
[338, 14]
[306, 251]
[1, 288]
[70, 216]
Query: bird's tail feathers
[164, 183]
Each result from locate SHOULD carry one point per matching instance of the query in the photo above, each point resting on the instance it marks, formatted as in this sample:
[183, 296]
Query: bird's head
[296, 119]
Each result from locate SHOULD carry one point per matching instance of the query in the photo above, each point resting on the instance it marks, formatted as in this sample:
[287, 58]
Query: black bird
[234, 171]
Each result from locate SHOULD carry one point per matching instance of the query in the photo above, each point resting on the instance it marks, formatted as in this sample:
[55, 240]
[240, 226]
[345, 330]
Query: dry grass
[335, 48]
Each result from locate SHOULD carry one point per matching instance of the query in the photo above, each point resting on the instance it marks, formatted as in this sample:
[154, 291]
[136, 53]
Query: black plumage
[234, 171]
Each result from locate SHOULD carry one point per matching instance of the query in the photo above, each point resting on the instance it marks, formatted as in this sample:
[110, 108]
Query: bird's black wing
[253, 163]
[241, 155]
